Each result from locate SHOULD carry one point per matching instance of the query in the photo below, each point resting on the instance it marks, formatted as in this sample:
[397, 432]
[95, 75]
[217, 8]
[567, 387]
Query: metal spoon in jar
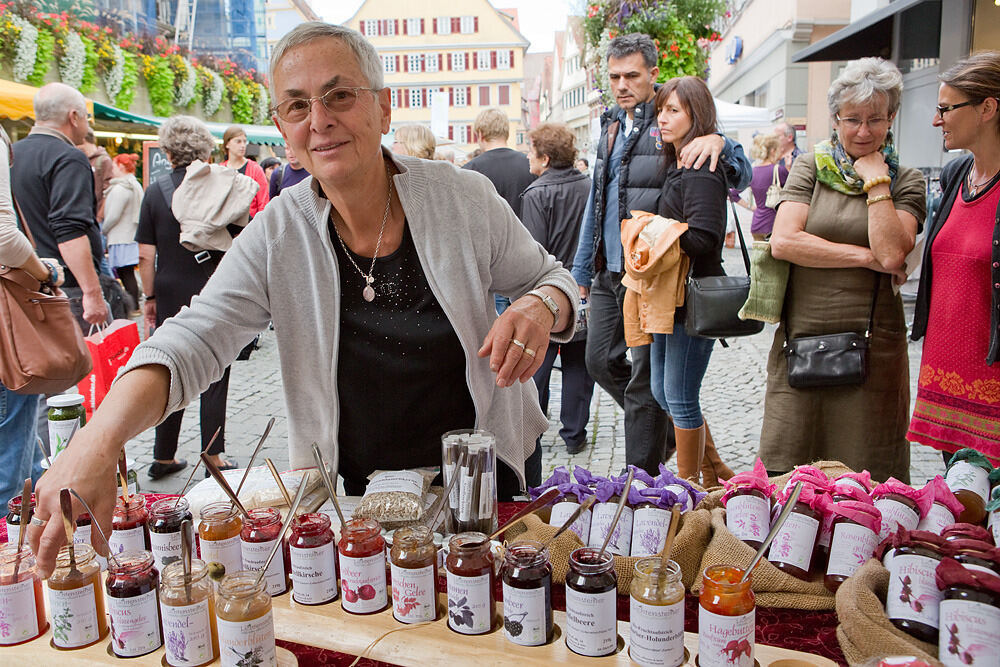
[785, 511]
[224, 485]
[328, 482]
[25, 509]
[187, 547]
[256, 451]
[195, 468]
[280, 484]
[443, 500]
[94, 524]
[284, 527]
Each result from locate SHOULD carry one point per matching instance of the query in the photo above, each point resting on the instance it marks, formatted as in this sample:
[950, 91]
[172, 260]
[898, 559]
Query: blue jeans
[18, 458]
[677, 366]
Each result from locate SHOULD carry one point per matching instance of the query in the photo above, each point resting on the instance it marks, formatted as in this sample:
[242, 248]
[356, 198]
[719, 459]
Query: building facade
[444, 63]
[283, 15]
[574, 98]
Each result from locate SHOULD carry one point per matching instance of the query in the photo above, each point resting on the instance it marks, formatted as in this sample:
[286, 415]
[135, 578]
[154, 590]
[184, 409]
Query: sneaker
[158, 470]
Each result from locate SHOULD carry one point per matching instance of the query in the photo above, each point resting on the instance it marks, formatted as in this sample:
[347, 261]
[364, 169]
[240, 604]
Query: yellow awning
[16, 101]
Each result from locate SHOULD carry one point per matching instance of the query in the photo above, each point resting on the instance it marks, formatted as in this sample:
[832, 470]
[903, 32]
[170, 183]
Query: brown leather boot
[713, 470]
[690, 450]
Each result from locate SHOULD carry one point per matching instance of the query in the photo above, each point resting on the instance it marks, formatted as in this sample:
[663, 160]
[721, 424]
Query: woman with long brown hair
[234, 145]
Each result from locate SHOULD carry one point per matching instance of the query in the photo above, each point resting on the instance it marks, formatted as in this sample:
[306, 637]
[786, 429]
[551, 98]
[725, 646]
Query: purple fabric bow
[559, 476]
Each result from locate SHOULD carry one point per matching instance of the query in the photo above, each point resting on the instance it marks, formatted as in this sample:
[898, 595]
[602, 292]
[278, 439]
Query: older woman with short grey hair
[185, 139]
[848, 216]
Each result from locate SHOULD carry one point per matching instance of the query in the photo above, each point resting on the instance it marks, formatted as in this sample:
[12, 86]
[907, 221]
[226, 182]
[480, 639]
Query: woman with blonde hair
[414, 140]
[768, 169]
[234, 145]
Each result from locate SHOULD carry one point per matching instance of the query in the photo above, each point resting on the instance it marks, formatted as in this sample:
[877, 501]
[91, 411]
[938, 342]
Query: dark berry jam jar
[258, 536]
[913, 597]
[591, 603]
[14, 517]
[133, 604]
[527, 594]
[470, 575]
[164, 523]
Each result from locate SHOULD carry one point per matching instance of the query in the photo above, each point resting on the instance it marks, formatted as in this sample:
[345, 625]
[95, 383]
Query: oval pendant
[368, 293]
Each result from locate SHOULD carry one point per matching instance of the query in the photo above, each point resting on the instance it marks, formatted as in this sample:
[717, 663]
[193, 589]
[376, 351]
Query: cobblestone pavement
[732, 401]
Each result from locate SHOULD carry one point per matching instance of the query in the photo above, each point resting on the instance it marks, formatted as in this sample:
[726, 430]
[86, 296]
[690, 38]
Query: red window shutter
[422, 26]
[466, 60]
[456, 24]
[475, 60]
[423, 96]
[475, 24]
[512, 59]
[447, 59]
[451, 132]
[423, 63]
[396, 24]
[434, 21]
[493, 59]
[397, 63]
[468, 95]
[440, 67]
[406, 64]
[451, 96]
[484, 96]
[404, 26]
[503, 95]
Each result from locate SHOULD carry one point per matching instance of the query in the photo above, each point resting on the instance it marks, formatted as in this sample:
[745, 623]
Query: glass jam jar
[22, 610]
[968, 476]
[219, 538]
[14, 517]
[187, 606]
[66, 415]
[133, 604]
[164, 523]
[726, 616]
[650, 524]
[993, 520]
[977, 556]
[656, 618]
[128, 525]
[969, 617]
[362, 567]
[470, 575]
[76, 600]
[793, 546]
[82, 535]
[603, 514]
[938, 517]
[853, 541]
[591, 603]
[313, 559]
[257, 538]
[561, 511]
[527, 593]
[748, 514]
[246, 624]
[913, 596]
[413, 565]
[898, 511]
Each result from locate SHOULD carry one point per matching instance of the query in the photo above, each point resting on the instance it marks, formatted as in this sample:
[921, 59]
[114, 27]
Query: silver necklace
[368, 292]
[974, 187]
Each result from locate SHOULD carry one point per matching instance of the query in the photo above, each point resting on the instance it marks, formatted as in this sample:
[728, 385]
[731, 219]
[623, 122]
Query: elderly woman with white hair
[378, 272]
[848, 216]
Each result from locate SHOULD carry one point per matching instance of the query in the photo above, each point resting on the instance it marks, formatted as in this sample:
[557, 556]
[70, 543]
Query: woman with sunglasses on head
[848, 215]
[958, 302]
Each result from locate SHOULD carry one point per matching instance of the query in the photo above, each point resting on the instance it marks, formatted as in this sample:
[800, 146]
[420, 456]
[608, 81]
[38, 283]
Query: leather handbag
[830, 360]
[773, 190]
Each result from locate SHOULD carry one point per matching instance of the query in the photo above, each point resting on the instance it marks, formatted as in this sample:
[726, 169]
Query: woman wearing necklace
[378, 272]
[958, 303]
[234, 144]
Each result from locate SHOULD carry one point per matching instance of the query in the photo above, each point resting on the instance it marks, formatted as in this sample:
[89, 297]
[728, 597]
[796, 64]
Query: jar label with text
[74, 617]
[963, 475]
[228, 552]
[469, 608]
[60, 431]
[135, 624]
[591, 622]
[254, 555]
[851, 547]
[725, 641]
[18, 617]
[894, 515]
[314, 574]
[166, 548]
[649, 530]
[657, 633]
[979, 568]
[970, 633]
[453, 497]
[562, 511]
[913, 594]
[525, 611]
[793, 545]
[748, 517]
[994, 525]
[130, 539]
[187, 633]
[414, 594]
[362, 583]
[621, 539]
[937, 519]
[850, 481]
[244, 643]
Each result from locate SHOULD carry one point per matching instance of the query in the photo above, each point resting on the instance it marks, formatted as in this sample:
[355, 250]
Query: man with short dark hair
[287, 175]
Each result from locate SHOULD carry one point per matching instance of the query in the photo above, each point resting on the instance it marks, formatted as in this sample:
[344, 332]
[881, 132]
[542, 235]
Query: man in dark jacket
[628, 176]
[505, 167]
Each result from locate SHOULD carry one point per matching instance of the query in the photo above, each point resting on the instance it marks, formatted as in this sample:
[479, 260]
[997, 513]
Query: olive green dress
[863, 426]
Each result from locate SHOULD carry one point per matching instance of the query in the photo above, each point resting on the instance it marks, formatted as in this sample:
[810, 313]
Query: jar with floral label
[128, 525]
[22, 610]
[14, 517]
[245, 620]
[968, 476]
[977, 556]
[855, 536]
[901, 506]
[314, 559]
[527, 594]
[219, 538]
[164, 523]
[726, 617]
[76, 600]
[603, 516]
[650, 522]
[793, 545]
[187, 607]
[258, 536]
[969, 616]
[66, 416]
[563, 508]
[945, 508]
[913, 597]
[362, 567]
[470, 576]
[840, 493]
[414, 575]
[748, 505]
[591, 603]
[133, 604]
[656, 614]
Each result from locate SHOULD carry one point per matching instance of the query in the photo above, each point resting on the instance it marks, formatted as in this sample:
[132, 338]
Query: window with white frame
[413, 62]
[394, 97]
[503, 59]
[431, 62]
[460, 97]
[461, 134]
[389, 27]
[458, 61]
[443, 25]
[416, 97]
[389, 64]
[370, 27]
[412, 26]
[468, 24]
[482, 59]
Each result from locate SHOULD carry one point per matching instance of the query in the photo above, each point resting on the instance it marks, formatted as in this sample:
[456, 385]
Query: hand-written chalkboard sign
[154, 162]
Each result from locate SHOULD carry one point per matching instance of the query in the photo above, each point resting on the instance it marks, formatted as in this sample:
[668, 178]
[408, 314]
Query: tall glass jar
[14, 517]
[22, 610]
[66, 415]
[620, 543]
[527, 593]
[656, 614]
[650, 524]
[187, 606]
[969, 618]
[898, 511]
[362, 567]
[258, 536]
[591, 603]
[853, 541]
[246, 624]
[913, 597]
[219, 538]
[314, 559]
[164, 522]
[470, 575]
[76, 600]
[133, 604]
[128, 525]
[793, 545]
[726, 616]
[413, 564]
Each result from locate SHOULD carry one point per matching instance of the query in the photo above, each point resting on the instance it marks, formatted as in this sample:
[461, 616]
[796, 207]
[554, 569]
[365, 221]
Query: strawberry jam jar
[258, 536]
[362, 567]
[128, 525]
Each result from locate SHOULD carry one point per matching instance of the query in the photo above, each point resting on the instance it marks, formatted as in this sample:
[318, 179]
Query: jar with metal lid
[133, 604]
[66, 416]
[591, 603]
[853, 541]
[219, 538]
[14, 517]
[313, 559]
[413, 563]
[969, 616]
[258, 536]
[245, 621]
[76, 600]
[362, 567]
[470, 577]
[164, 523]
[128, 525]
[913, 597]
[656, 614]
[968, 477]
[527, 593]
[187, 607]
[793, 545]
[898, 511]
[726, 616]
[22, 609]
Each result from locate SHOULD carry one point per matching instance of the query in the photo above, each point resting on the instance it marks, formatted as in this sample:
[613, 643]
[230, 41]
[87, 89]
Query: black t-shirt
[509, 172]
[401, 378]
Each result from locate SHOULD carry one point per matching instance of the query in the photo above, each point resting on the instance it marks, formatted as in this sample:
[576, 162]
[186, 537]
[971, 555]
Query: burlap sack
[865, 632]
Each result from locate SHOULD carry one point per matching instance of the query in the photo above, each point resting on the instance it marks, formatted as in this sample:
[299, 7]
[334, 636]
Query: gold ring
[530, 353]
[515, 341]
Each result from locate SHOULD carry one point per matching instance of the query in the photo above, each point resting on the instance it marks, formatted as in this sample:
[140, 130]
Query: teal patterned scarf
[835, 168]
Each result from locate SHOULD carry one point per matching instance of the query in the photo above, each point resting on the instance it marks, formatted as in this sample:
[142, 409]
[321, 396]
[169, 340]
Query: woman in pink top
[234, 143]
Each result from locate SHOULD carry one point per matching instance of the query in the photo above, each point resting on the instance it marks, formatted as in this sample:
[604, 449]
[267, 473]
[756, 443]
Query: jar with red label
[133, 604]
[362, 567]
[219, 538]
[913, 597]
[258, 536]
[591, 603]
[470, 575]
[128, 525]
[968, 476]
[969, 616]
[748, 514]
[793, 545]
[14, 517]
[854, 538]
[22, 610]
[726, 618]
[314, 559]
[898, 511]
[414, 575]
[527, 593]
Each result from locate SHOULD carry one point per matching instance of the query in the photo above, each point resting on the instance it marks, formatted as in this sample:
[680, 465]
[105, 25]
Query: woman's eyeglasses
[854, 124]
[943, 109]
[336, 100]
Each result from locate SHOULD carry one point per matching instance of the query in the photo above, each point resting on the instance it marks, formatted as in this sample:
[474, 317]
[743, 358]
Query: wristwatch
[549, 302]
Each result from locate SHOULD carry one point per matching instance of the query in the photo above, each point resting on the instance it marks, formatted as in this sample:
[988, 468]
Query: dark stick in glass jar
[164, 522]
[128, 525]
[14, 510]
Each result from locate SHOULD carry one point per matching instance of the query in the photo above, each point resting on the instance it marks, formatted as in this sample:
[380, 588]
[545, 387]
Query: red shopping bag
[110, 349]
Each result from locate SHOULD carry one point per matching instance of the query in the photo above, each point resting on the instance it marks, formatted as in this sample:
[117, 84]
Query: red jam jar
[362, 567]
[898, 511]
[853, 541]
[133, 604]
[470, 576]
[314, 559]
[164, 522]
[913, 597]
[591, 603]
[748, 514]
[14, 517]
[219, 538]
[128, 525]
[258, 536]
[22, 610]
[413, 565]
[726, 616]
[793, 545]
[527, 593]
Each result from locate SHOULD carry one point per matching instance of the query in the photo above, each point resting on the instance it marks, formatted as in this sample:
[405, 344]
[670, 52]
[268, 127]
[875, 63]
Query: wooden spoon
[66, 505]
[25, 509]
[618, 514]
[541, 501]
[569, 522]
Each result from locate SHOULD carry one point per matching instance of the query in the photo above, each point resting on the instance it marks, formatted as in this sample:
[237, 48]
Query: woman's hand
[517, 341]
[149, 316]
[59, 274]
[871, 166]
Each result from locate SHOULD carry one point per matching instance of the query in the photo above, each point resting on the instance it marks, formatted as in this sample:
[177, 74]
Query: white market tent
[736, 116]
